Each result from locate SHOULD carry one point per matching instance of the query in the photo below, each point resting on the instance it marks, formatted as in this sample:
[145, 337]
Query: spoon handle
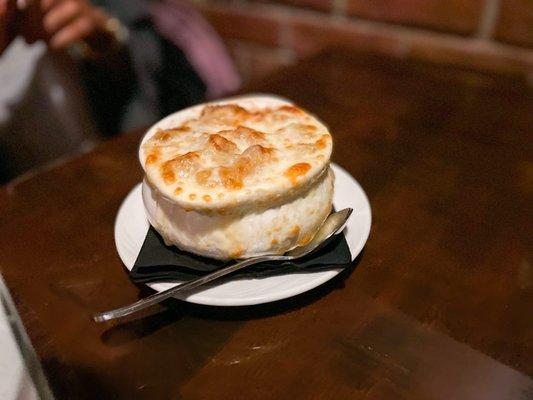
[184, 287]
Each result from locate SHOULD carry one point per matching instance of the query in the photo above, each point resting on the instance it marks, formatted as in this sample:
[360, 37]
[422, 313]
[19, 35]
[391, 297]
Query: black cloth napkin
[158, 262]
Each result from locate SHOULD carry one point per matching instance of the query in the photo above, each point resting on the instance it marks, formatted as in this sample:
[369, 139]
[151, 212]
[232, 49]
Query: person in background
[74, 71]
[178, 22]
[43, 114]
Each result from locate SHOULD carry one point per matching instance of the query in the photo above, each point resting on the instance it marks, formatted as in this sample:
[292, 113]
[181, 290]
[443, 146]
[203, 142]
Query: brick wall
[263, 35]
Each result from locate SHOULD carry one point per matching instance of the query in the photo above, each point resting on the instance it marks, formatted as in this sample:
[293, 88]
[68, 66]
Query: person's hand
[70, 21]
[62, 23]
[8, 10]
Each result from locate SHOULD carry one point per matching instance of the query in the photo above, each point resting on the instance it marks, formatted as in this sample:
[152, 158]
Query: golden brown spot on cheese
[322, 142]
[252, 157]
[207, 198]
[274, 242]
[230, 114]
[307, 131]
[203, 178]
[151, 159]
[168, 176]
[191, 156]
[230, 178]
[163, 136]
[302, 148]
[192, 196]
[243, 133]
[220, 143]
[295, 230]
[294, 172]
[180, 129]
[181, 165]
[291, 109]
[223, 110]
[178, 190]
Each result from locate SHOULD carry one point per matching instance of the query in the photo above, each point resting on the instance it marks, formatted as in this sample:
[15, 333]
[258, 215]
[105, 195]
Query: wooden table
[439, 306]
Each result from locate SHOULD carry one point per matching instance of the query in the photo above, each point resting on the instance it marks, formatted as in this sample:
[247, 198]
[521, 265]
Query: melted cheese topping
[231, 155]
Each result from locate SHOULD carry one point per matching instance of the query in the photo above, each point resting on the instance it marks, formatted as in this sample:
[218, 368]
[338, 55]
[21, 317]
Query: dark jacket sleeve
[110, 85]
[145, 80]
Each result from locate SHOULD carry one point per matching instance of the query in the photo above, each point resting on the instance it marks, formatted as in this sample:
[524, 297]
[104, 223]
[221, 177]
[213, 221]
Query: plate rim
[320, 276]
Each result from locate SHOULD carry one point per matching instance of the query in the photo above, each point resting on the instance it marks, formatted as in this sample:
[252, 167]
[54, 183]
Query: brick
[459, 16]
[311, 33]
[320, 5]
[473, 54]
[255, 62]
[515, 24]
[265, 61]
[253, 23]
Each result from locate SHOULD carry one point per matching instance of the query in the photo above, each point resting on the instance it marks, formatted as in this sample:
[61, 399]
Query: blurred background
[76, 72]
[263, 35]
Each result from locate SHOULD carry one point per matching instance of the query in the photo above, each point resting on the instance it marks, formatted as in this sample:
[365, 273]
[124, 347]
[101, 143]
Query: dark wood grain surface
[439, 305]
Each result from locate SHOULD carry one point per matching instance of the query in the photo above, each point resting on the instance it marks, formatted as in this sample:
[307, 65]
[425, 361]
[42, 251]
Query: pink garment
[180, 23]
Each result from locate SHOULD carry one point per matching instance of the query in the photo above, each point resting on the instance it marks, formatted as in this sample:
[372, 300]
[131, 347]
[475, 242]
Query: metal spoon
[332, 225]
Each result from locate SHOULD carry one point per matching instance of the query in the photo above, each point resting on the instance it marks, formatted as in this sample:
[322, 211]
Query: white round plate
[131, 226]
